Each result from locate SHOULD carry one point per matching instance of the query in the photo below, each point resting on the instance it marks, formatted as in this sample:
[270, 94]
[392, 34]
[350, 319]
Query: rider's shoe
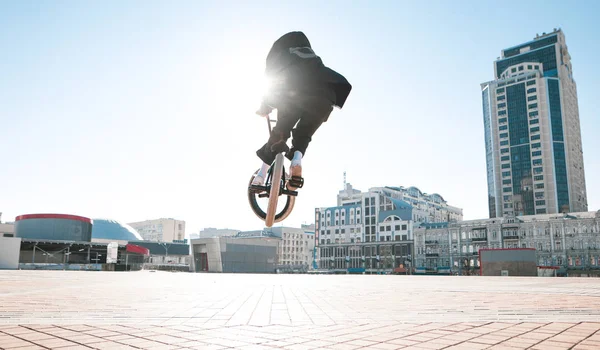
[295, 171]
[258, 180]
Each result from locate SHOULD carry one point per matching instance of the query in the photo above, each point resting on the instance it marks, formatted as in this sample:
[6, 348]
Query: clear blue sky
[143, 109]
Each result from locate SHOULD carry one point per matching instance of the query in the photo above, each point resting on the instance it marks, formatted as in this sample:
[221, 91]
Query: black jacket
[295, 69]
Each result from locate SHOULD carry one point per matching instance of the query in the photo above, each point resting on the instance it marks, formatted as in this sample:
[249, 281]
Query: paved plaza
[162, 310]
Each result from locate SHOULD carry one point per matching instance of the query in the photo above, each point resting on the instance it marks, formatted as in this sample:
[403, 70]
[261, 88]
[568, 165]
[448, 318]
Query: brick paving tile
[209, 347]
[14, 343]
[27, 347]
[35, 336]
[519, 343]
[565, 338]
[403, 342]
[54, 343]
[445, 342]
[255, 347]
[428, 345]
[342, 346]
[110, 346]
[585, 347]
[469, 346]
[552, 345]
[382, 346]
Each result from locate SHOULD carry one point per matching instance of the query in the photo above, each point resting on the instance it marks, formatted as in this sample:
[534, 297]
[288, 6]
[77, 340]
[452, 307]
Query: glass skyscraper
[532, 134]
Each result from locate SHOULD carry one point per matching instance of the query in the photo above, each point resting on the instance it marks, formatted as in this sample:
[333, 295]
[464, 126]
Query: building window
[403, 227]
[534, 121]
[536, 153]
[503, 135]
[538, 177]
[504, 143]
[502, 120]
[501, 98]
[533, 106]
[503, 127]
[502, 112]
[535, 137]
[532, 90]
[501, 105]
[531, 82]
[533, 114]
[535, 129]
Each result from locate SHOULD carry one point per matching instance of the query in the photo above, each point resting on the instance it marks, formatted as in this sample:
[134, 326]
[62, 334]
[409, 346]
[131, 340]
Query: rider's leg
[280, 134]
[302, 135]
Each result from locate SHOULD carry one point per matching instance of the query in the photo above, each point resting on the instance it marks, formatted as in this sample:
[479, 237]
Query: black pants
[307, 114]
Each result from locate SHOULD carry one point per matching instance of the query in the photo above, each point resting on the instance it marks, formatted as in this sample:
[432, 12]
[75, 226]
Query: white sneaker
[258, 180]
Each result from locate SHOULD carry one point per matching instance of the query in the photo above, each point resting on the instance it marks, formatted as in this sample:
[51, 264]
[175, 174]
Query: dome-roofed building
[108, 230]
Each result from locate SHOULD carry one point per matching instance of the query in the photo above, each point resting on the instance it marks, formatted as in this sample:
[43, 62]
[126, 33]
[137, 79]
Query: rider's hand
[264, 110]
[262, 114]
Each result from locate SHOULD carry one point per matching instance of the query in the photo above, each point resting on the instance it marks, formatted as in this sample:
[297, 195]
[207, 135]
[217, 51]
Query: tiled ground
[144, 310]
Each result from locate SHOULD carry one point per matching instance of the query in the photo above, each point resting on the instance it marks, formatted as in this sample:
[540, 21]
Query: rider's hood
[291, 39]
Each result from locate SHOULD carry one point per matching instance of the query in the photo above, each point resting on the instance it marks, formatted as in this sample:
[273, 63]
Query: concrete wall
[244, 255]
[518, 262]
[10, 248]
[212, 248]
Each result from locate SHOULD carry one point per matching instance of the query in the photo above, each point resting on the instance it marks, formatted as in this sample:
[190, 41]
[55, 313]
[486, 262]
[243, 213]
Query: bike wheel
[275, 188]
[253, 200]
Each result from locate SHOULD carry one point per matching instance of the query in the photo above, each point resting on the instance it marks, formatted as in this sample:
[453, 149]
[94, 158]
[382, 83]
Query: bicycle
[275, 185]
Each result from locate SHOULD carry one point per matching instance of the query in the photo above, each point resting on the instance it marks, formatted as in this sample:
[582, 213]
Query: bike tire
[257, 210]
[275, 188]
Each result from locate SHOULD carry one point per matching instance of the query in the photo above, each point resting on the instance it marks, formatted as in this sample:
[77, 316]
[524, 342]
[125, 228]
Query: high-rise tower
[532, 134]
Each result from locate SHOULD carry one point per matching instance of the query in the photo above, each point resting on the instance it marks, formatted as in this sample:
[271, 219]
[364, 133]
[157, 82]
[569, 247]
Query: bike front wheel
[257, 203]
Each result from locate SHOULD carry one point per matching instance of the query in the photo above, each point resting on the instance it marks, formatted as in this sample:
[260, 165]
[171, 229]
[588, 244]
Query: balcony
[479, 239]
[432, 254]
[511, 236]
[431, 242]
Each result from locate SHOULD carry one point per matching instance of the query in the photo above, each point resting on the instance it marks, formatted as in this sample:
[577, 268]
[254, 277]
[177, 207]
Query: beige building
[296, 248]
[567, 242]
[160, 230]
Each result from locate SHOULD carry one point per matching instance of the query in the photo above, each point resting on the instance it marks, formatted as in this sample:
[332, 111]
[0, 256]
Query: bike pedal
[296, 181]
[257, 189]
